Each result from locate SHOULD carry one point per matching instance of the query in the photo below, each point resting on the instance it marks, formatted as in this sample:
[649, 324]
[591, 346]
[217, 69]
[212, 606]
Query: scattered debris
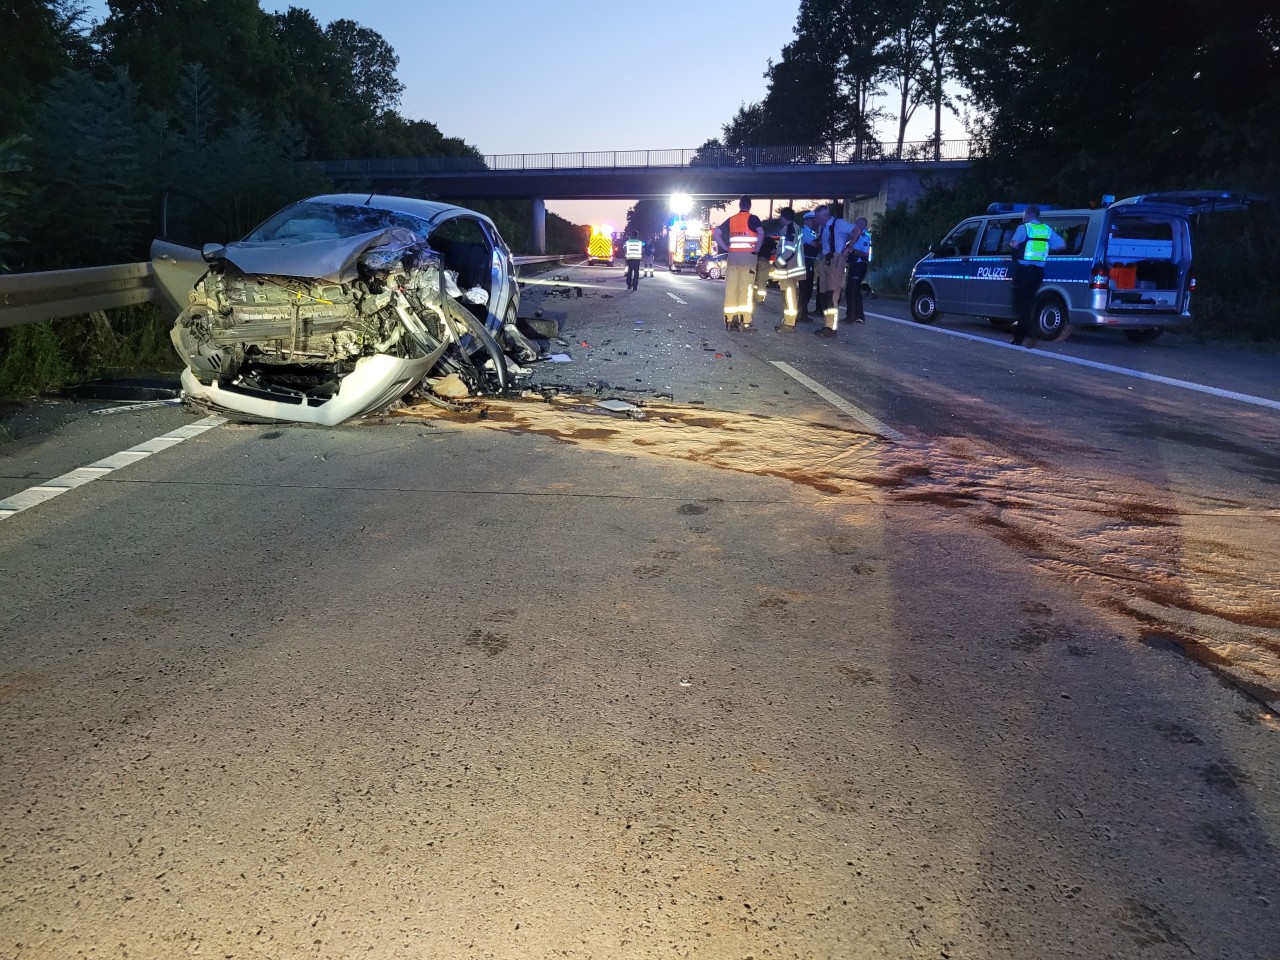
[129, 407]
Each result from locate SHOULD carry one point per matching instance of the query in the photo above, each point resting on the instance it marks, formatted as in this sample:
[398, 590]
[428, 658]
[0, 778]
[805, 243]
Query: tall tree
[39, 39]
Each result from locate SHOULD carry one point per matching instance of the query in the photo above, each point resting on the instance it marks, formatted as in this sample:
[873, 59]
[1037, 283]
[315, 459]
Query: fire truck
[600, 247]
[687, 240]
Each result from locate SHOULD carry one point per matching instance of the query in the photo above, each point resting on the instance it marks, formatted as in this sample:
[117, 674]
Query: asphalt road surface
[904, 644]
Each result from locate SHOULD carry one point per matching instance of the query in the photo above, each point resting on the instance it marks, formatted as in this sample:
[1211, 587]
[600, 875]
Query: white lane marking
[840, 403]
[78, 477]
[676, 299]
[1094, 364]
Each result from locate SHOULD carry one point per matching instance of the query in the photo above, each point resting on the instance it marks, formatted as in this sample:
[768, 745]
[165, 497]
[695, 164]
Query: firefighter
[789, 269]
[633, 250]
[741, 235]
[1031, 244]
[764, 259]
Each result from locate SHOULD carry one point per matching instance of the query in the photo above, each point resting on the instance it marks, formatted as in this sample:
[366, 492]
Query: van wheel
[924, 308]
[1002, 323]
[1144, 336]
[1051, 321]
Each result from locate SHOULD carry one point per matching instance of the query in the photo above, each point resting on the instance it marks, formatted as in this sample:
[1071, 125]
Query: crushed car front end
[333, 312]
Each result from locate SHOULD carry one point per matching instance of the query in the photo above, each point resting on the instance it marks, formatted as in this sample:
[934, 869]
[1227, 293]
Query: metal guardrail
[34, 297]
[867, 151]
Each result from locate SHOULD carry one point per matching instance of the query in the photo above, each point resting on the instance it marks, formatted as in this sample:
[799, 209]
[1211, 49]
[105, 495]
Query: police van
[1125, 266]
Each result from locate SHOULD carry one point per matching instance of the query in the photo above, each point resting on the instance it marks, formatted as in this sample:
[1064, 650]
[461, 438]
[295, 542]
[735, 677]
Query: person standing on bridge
[835, 236]
[1031, 243]
[744, 234]
[789, 268]
[859, 260]
[634, 251]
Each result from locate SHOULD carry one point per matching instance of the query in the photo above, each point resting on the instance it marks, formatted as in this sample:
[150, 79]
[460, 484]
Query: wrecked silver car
[340, 305]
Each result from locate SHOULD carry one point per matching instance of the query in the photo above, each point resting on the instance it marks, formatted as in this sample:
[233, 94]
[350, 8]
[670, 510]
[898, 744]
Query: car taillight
[1099, 277]
[1191, 282]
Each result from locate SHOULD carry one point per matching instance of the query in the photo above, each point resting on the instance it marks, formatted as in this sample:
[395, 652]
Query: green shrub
[34, 362]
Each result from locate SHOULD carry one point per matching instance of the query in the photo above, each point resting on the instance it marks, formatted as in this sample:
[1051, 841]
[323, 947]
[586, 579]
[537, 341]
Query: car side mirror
[935, 249]
[212, 251]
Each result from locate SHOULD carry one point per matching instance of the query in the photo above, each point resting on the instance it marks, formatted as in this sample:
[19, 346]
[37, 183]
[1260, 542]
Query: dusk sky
[606, 75]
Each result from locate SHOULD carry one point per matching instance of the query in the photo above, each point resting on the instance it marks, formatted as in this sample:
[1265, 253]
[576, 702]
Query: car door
[176, 269]
[990, 287]
[949, 267]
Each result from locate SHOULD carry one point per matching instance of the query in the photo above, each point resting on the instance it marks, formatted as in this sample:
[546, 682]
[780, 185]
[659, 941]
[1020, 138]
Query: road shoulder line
[1095, 365]
[840, 403]
[33, 496]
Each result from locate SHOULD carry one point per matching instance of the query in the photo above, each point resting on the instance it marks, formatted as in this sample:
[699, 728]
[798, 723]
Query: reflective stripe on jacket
[789, 261]
[635, 249]
[742, 239]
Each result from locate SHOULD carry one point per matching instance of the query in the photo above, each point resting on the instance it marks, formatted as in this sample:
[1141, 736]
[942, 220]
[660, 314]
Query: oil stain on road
[1200, 572]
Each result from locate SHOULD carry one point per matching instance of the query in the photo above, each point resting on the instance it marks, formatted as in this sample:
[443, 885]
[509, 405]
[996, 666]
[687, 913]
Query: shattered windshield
[332, 221]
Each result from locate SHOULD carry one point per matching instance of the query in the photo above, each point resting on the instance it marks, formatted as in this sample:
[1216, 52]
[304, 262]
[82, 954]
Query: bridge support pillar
[539, 225]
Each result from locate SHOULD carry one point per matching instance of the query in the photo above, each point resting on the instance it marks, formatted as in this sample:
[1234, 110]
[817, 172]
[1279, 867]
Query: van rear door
[1147, 252]
[1192, 202]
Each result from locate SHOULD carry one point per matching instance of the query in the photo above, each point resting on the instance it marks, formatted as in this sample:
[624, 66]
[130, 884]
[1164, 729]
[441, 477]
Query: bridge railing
[867, 151]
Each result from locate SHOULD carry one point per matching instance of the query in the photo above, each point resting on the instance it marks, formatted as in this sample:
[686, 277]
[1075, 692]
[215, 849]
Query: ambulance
[600, 248]
[687, 241]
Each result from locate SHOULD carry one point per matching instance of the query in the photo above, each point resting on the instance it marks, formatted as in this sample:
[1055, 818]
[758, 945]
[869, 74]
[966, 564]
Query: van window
[996, 237]
[1070, 229]
[959, 242]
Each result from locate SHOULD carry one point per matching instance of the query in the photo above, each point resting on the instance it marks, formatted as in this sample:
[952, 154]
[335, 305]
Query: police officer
[634, 252]
[741, 235]
[859, 260]
[834, 235]
[1031, 244]
[810, 245]
[788, 268]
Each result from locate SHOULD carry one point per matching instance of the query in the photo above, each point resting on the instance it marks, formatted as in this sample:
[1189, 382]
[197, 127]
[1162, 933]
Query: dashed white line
[38, 494]
[1094, 365]
[840, 403]
[676, 299]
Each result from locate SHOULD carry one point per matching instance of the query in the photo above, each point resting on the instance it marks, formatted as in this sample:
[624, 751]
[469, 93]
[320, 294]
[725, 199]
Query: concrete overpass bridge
[874, 175]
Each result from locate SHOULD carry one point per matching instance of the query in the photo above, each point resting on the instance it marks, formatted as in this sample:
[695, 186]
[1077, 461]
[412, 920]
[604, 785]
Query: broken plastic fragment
[451, 387]
[559, 358]
[616, 406]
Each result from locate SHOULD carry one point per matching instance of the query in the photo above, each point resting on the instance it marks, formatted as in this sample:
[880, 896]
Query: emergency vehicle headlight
[680, 203]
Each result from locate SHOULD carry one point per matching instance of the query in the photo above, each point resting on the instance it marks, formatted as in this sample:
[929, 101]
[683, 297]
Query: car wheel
[1051, 321]
[1144, 336]
[714, 273]
[1001, 323]
[924, 308]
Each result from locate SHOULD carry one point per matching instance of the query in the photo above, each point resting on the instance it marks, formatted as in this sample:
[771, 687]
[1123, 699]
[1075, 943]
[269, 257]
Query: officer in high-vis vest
[859, 260]
[1031, 243]
[789, 269]
[633, 250]
[741, 235]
